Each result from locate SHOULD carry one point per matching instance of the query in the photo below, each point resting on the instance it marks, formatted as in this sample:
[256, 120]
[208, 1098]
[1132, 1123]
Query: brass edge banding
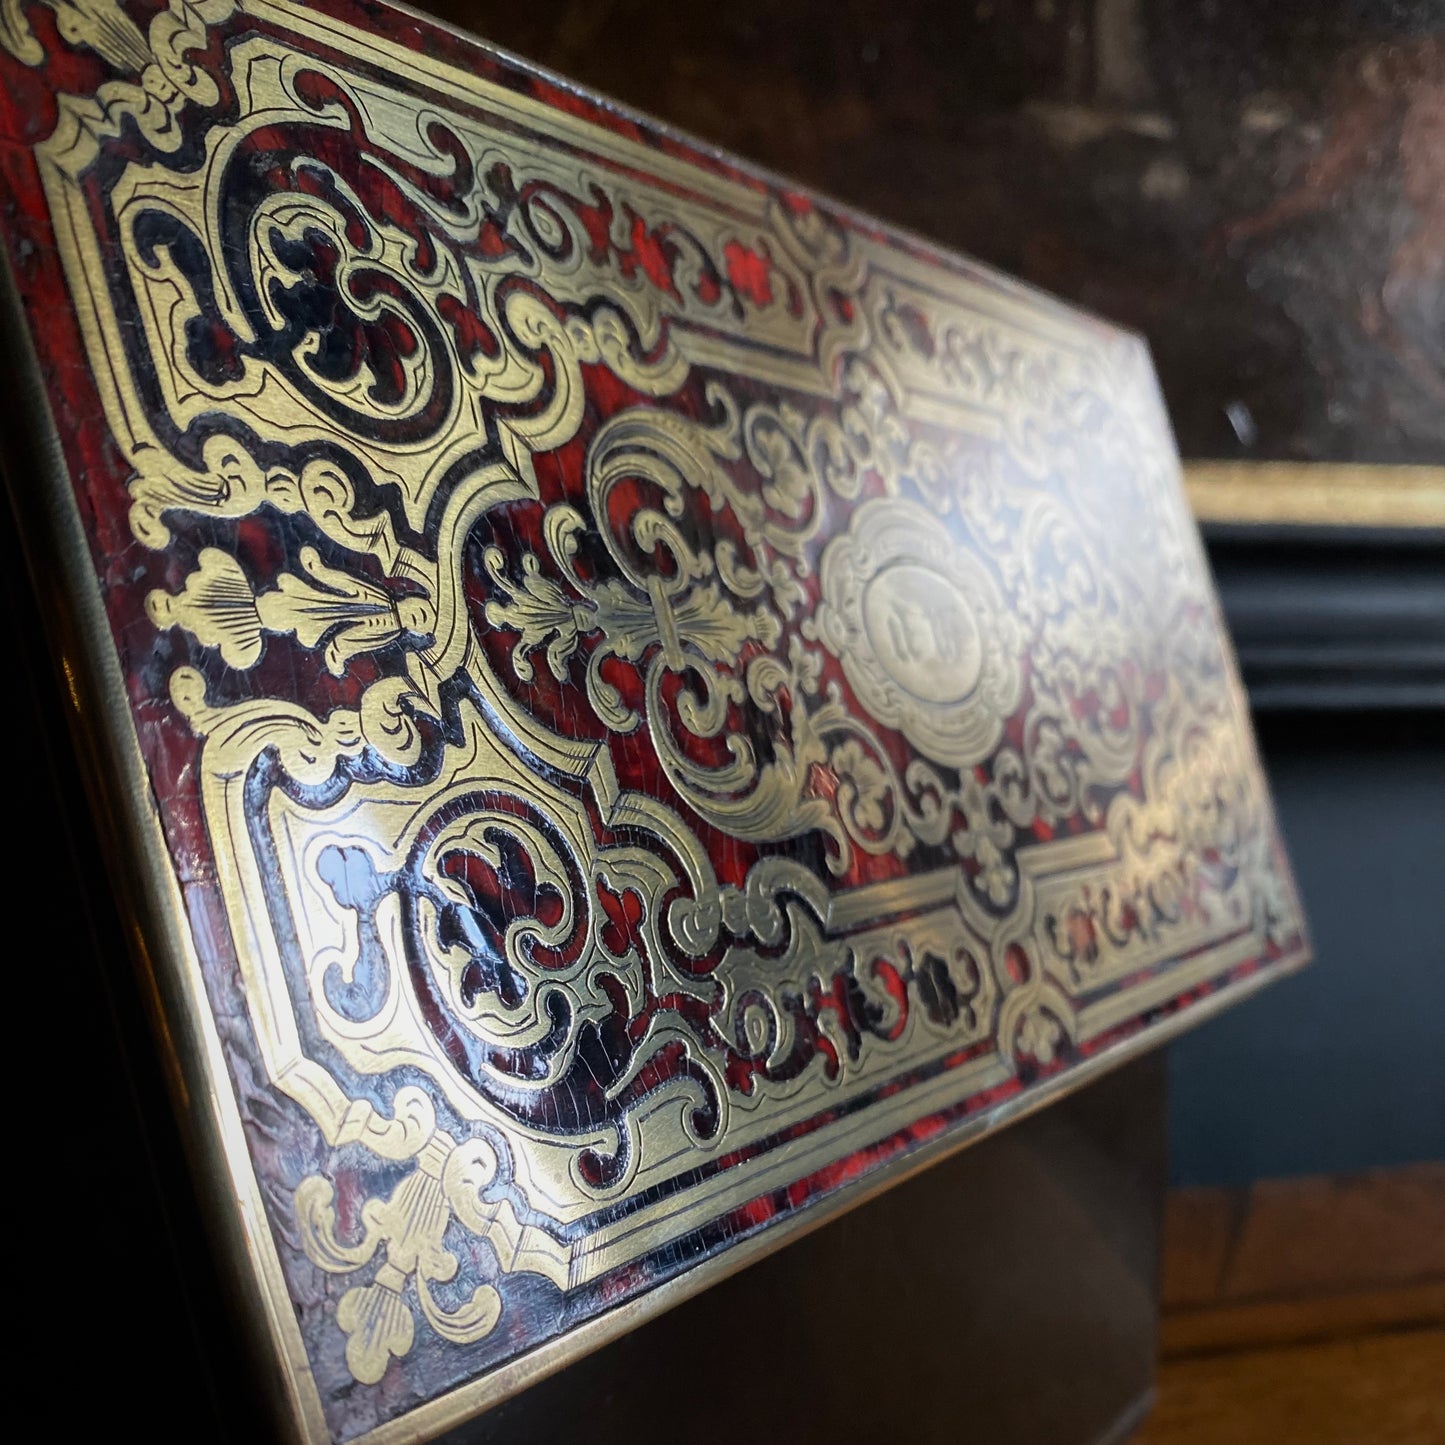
[145, 887]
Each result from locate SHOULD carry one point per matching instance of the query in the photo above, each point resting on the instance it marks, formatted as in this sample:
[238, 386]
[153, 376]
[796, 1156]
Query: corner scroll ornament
[656, 682]
[166, 77]
[409, 1227]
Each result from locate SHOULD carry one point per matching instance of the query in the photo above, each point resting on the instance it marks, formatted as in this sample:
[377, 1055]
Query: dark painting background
[1259, 188]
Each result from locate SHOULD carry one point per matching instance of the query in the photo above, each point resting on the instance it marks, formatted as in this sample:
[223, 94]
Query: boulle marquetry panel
[647, 705]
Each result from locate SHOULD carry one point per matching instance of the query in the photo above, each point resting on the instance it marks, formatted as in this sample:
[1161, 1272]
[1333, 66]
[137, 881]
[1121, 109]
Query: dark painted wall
[1343, 1066]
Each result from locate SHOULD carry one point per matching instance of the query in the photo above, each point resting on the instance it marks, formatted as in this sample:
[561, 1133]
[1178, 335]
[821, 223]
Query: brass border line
[1316, 494]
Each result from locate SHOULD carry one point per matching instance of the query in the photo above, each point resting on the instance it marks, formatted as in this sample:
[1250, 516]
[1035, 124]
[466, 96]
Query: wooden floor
[1305, 1312]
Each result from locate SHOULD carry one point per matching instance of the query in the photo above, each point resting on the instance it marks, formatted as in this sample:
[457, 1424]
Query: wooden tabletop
[1305, 1312]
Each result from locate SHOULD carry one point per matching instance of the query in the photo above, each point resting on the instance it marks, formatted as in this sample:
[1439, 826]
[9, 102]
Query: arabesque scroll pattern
[667, 665]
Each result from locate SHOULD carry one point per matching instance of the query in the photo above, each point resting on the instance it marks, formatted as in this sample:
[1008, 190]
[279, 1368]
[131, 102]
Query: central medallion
[922, 632]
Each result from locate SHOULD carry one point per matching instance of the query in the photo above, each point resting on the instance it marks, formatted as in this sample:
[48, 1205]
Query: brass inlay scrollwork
[567, 467]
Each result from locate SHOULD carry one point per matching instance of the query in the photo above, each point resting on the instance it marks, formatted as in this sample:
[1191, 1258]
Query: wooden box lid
[636, 706]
